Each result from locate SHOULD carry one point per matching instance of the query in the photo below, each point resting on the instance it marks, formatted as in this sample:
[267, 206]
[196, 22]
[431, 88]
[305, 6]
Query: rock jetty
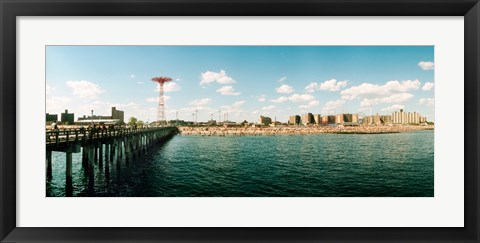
[294, 130]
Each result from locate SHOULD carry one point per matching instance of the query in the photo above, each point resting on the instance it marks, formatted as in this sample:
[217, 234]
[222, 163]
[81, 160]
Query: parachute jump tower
[161, 101]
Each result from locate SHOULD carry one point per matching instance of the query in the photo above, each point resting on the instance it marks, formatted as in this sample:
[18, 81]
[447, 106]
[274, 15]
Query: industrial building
[117, 116]
[51, 118]
[67, 118]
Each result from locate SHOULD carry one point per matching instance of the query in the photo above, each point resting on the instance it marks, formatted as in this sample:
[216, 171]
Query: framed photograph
[240, 121]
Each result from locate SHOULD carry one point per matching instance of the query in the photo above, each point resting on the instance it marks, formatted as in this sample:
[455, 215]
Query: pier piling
[68, 181]
[49, 164]
[100, 155]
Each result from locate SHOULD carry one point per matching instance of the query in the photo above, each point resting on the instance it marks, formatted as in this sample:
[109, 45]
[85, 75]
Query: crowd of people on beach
[295, 130]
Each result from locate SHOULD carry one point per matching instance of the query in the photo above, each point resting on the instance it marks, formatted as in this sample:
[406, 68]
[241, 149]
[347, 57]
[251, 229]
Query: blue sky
[243, 81]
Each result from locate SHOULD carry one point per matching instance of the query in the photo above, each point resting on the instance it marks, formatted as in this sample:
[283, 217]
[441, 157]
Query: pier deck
[97, 145]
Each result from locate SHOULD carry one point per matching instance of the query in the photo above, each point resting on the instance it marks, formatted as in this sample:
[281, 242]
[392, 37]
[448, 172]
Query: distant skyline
[245, 81]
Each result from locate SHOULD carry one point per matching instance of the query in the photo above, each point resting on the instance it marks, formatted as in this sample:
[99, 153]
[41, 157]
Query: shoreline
[295, 130]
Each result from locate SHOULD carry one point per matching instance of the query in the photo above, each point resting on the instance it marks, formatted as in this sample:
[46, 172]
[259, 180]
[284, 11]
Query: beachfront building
[67, 118]
[307, 119]
[402, 117]
[264, 120]
[324, 120]
[331, 119]
[355, 118]
[416, 117]
[373, 120]
[294, 120]
[317, 119]
[347, 118]
[339, 119]
[386, 119]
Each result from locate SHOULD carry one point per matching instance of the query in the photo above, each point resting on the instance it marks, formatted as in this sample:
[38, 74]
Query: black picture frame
[10, 9]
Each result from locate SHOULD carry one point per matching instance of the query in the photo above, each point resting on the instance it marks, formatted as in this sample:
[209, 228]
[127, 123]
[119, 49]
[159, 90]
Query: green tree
[140, 123]
[132, 121]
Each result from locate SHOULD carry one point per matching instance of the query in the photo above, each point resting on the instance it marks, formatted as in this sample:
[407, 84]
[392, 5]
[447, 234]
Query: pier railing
[56, 137]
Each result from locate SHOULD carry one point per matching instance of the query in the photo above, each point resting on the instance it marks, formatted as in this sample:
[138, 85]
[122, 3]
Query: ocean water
[326, 165]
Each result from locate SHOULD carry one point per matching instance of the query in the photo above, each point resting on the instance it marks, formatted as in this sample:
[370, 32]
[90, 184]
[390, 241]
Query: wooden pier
[101, 147]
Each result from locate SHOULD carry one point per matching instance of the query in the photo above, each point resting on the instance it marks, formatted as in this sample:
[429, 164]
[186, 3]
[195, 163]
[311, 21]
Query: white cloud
[427, 101]
[332, 106]
[301, 98]
[261, 98]
[393, 108]
[267, 108]
[254, 112]
[132, 76]
[294, 98]
[394, 98]
[426, 65]
[56, 103]
[311, 87]
[407, 85]
[281, 99]
[428, 86]
[284, 89]
[332, 85]
[168, 87]
[227, 90]
[310, 104]
[234, 108]
[85, 89]
[282, 79]
[367, 90]
[211, 77]
[171, 87]
[238, 103]
[329, 85]
[139, 82]
[201, 102]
